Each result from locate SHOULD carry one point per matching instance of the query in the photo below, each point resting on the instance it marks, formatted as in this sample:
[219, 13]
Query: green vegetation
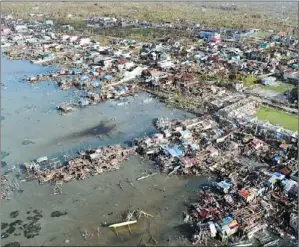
[261, 34]
[103, 40]
[281, 88]
[275, 116]
[249, 81]
[207, 14]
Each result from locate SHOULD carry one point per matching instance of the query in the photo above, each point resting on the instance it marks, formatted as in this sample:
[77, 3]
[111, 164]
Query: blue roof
[121, 88]
[173, 151]
[107, 77]
[96, 83]
[218, 132]
[276, 158]
[227, 220]
[223, 185]
[194, 147]
[84, 77]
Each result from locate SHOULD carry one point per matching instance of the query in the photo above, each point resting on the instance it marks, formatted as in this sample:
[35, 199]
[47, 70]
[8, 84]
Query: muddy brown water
[100, 200]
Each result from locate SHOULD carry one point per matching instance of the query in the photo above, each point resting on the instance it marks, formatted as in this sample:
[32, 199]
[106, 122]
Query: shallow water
[99, 199]
[29, 112]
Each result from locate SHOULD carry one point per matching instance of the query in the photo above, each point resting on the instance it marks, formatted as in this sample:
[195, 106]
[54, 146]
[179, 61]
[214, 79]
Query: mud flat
[86, 205]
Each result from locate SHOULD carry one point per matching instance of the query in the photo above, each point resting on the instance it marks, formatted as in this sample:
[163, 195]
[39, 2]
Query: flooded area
[135, 138]
[99, 200]
[29, 113]
[32, 128]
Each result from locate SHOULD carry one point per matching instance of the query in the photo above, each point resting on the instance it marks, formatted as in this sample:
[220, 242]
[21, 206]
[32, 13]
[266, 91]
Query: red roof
[188, 162]
[243, 193]
[122, 61]
[187, 76]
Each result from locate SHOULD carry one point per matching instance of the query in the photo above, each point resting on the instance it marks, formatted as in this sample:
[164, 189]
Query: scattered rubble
[210, 78]
[90, 162]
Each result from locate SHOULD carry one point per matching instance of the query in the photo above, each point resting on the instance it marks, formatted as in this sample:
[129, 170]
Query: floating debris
[27, 142]
[14, 214]
[4, 154]
[12, 244]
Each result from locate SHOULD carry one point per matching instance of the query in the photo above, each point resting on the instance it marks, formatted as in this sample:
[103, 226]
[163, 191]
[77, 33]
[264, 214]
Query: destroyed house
[173, 151]
[227, 227]
[208, 34]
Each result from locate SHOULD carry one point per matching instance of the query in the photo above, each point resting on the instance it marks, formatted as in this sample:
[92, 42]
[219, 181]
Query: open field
[262, 15]
[281, 118]
[281, 88]
[249, 81]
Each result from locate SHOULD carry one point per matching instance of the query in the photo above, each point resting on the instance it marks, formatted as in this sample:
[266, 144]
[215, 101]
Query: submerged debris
[27, 142]
[58, 214]
[12, 244]
[4, 154]
[8, 186]
[14, 214]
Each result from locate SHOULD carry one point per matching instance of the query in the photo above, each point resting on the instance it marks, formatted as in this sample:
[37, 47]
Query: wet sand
[99, 199]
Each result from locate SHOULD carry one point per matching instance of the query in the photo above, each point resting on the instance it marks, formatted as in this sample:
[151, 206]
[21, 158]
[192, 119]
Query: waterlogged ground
[31, 128]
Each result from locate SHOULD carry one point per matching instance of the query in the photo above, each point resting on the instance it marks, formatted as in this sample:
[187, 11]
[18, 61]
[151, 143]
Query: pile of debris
[228, 211]
[7, 187]
[203, 145]
[90, 162]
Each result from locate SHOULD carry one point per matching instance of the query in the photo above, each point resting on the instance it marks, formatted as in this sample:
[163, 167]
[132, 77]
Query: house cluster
[246, 197]
[169, 67]
[102, 22]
